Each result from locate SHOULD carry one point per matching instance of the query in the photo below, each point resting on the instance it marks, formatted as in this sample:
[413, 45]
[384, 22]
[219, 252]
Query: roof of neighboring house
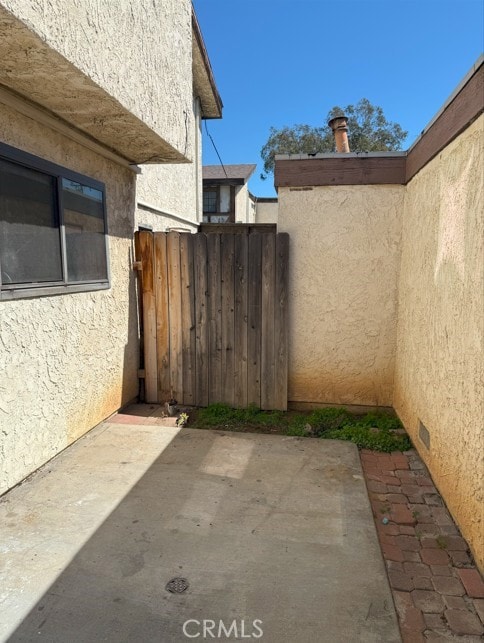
[241, 172]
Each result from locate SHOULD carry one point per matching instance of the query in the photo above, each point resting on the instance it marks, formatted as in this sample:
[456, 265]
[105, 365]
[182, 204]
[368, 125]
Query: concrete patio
[270, 529]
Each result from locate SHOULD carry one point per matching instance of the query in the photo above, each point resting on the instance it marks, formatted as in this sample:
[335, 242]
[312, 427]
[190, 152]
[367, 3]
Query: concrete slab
[273, 534]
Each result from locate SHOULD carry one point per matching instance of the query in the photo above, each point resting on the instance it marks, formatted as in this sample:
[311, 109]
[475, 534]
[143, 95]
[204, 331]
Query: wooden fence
[214, 311]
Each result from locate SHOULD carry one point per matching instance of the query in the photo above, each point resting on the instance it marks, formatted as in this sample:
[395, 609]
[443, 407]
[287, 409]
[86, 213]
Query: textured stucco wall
[266, 212]
[140, 53]
[67, 362]
[439, 373]
[344, 259]
[174, 188]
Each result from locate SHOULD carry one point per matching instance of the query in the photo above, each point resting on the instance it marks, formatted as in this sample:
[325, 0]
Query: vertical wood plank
[215, 319]
[281, 321]
[268, 275]
[174, 298]
[162, 317]
[241, 250]
[228, 321]
[254, 322]
[188, 317]
[139, 289]
[149, 316]
[201, 320]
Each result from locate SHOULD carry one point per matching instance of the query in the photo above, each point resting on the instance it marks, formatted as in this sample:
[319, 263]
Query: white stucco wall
[344, 261]
[244, 212]
[67, 362]
[440, 367]
[139, 52]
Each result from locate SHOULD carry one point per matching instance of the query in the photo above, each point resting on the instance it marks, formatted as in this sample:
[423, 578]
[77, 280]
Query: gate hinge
[137, 265]
[141, 373]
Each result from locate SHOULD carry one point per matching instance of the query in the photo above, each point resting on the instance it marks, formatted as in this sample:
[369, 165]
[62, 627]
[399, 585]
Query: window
[53, 235]
[210, 201]
[218, 204]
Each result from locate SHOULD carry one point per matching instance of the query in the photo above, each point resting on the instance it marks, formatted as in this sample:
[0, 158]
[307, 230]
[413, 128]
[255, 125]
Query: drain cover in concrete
[177, 585]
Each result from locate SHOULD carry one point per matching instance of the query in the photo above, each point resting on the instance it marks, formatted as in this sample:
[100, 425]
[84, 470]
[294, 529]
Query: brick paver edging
[438, 592]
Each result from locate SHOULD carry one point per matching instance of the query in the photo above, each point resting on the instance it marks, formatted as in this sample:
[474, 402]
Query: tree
[368, 131]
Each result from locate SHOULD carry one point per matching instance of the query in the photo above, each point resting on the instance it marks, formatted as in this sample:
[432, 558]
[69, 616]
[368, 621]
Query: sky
[285, 62]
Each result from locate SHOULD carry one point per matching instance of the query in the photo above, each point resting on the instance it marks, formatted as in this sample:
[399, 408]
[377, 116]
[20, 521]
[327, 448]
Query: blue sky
[281, 62]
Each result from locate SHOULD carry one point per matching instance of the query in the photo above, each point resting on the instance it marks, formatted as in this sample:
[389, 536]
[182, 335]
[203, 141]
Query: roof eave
[204, 85]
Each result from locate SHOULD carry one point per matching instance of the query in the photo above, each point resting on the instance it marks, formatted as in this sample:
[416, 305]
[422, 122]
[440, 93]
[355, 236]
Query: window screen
[29, 226]
[52, 224]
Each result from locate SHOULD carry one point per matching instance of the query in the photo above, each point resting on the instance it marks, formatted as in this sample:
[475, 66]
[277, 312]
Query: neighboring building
[226, 197]
[87, 95]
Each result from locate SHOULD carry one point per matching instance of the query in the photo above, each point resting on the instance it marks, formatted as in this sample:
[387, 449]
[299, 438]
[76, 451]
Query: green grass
[330, 423]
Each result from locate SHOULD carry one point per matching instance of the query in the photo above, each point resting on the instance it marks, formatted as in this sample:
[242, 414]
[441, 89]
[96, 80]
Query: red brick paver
[438, 592]
[472, 582]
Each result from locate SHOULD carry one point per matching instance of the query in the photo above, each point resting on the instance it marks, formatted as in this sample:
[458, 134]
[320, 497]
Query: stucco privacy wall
[439, 369]
[266, 211]
[67, 362]
[140, 53]
[345, 253]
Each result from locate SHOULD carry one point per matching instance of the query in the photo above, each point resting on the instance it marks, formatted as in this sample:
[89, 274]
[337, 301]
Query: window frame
[58, 172]
[216, 190]
[212, 187]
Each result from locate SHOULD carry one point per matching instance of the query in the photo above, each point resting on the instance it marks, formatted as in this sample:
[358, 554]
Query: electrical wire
[216, 150]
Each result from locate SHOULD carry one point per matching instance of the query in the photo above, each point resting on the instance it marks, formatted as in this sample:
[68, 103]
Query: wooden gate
[214, 317]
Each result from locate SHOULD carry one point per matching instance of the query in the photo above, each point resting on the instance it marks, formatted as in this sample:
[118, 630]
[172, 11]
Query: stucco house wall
[139, 53]
[439, 372]
[68, 361]
[343, 276]
[170, 196]
[134, 77]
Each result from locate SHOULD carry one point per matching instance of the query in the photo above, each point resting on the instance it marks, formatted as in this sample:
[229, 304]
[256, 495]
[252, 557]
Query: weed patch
[221, 415]
[364, 438]
[328, 419]
[374, 430]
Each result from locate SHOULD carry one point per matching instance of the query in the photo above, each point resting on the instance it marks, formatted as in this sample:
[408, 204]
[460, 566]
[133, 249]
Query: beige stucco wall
[67, 362]
[140, 53]
[439, 373]
[266, 212]
[174, 188]
[344, 260]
